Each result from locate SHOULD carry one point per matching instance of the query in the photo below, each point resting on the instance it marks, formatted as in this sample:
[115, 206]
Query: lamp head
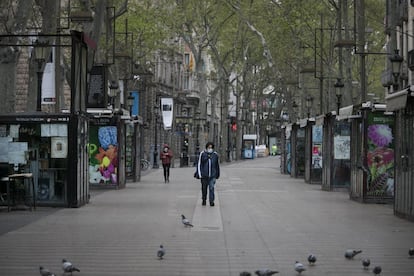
[396, 61]
[338, 87]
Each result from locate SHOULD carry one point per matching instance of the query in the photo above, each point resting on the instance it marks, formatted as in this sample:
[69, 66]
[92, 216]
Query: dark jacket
[208, 165]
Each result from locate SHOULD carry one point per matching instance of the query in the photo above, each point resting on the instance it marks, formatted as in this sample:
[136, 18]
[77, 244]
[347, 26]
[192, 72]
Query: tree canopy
[271, 39]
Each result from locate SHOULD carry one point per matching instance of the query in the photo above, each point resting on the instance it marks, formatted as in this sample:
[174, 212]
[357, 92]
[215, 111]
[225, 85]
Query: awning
[303, 122]
[345, 112]
[319, 120]
[397, 100]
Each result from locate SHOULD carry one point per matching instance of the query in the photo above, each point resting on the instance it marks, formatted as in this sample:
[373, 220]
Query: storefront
[372, 155]
[249, 146]
[298, 150]
[402, 103]
[337, 149]
[47, 146]
[111, 160]
[313, 150]
[285, 151]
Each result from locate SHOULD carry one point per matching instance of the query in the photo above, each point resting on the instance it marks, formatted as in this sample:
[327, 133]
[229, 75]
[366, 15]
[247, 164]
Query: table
[15, 176]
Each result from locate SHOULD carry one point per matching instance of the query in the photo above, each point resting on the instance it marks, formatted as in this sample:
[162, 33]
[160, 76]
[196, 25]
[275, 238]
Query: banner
[167, 105]
[135, 104]
[48, 80]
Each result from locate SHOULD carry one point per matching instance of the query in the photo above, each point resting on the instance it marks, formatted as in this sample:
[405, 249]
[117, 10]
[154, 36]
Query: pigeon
[68, 267]
[312, 259]
[45, 271]
[351, 253]
[265, 272]
[161, 252]
[185, 221]
[366, 263]
[411, 252]
[377, 270]
[299, 267]
[245, 273]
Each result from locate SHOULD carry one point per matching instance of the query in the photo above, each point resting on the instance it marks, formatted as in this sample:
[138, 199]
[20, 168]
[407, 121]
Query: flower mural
[380, 135]
[103, 155]
[380, 159]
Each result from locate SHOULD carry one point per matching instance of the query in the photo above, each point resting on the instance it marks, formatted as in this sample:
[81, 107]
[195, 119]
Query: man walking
[208, 170]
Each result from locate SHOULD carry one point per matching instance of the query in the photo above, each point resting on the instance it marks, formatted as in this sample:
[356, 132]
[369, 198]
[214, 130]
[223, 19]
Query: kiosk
[248, 146]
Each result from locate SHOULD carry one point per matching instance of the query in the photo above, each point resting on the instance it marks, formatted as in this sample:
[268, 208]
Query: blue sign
[135, 105]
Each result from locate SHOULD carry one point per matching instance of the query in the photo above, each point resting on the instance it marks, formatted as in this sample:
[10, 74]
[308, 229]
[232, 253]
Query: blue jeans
[210, 183]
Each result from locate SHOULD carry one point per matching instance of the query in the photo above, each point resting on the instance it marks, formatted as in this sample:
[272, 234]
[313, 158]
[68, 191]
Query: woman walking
[166, 156]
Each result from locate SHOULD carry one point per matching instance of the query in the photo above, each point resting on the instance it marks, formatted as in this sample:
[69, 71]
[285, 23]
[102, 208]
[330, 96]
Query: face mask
[210, 150]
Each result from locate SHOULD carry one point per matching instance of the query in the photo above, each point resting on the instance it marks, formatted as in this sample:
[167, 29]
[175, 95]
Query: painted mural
[380, 155]
[103, 155]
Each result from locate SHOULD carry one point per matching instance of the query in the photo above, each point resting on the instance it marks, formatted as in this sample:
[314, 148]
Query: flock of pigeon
[67, 267]
[349, 254]
[298, 267]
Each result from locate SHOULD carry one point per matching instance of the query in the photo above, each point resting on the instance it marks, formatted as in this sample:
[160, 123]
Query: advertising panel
[380, 155]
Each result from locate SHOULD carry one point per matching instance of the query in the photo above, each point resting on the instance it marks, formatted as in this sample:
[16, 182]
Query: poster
[342, 147]
[103, 155]
[317, 156]
[59, 147]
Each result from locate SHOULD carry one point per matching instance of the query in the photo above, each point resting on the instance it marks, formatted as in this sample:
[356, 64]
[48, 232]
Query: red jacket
[166, 156]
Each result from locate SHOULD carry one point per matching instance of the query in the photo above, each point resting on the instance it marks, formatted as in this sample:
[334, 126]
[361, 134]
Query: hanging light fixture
[41, 51]
[338, 92]
[396, 61]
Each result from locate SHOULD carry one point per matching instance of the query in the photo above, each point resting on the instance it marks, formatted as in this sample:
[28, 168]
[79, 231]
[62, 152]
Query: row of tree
[253, 43]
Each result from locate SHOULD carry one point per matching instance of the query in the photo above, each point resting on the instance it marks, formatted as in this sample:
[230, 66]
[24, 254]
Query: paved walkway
[262, 219]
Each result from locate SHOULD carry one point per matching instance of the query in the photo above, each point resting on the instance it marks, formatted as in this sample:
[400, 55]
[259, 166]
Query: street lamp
[156, 114]
[197, 120]
[228, 138]
[41, 52]
[309, 103]
[285, 116]
[396, 61]
[338, 92]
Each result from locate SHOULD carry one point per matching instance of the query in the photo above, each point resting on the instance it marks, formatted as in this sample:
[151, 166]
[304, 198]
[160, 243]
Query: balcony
[193, 95]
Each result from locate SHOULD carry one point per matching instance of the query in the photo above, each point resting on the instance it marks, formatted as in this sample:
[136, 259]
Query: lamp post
[338, 92]
[228, 138]
[396, 61]
[197, 145]
[156, 114]
[41, 52]
[285, 116]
